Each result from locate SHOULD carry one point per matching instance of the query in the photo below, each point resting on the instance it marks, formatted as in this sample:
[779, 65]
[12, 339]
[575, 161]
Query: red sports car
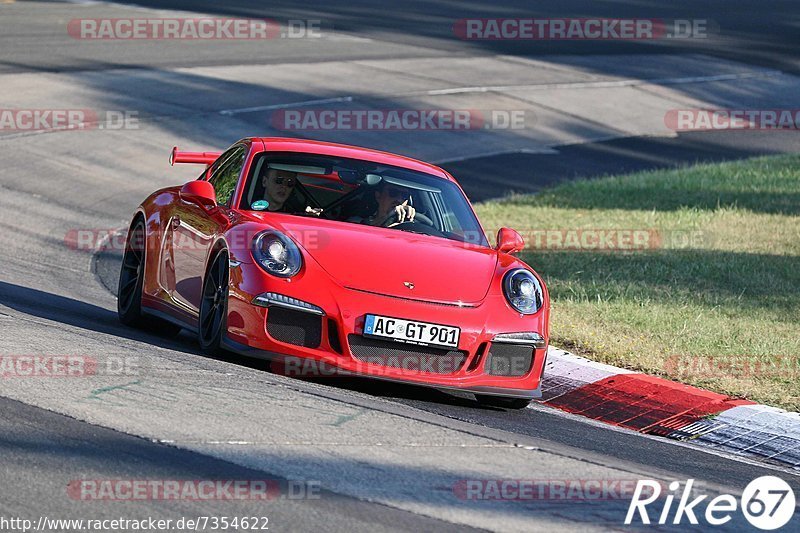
[337, 260]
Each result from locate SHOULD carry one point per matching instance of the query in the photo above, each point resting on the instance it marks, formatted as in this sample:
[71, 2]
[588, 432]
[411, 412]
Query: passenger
[279, 185]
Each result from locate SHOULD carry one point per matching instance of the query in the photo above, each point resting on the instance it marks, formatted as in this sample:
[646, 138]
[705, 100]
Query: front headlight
[277, 253]
[523, 291]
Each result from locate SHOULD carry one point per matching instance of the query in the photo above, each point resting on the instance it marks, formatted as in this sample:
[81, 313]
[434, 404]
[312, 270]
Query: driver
[393, 203]
[279, 185]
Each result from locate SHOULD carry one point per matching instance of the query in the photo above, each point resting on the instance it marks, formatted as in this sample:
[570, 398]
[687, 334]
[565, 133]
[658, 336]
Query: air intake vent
[294, 327]
[509, 359]
[406, 356]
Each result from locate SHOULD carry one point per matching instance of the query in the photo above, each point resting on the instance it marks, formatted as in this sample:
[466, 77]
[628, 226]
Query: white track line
[230, 112]
[526, 87]
[606, 83]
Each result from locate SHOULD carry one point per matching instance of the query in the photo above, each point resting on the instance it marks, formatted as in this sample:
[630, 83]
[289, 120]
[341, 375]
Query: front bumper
[339, 350]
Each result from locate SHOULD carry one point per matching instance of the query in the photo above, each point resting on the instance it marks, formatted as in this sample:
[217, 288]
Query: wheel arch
[219, 245]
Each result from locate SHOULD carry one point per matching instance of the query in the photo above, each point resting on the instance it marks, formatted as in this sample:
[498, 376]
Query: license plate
[411, 331]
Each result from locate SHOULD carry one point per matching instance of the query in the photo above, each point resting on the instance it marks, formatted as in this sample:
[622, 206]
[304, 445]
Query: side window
[216, 164]
[226, 175]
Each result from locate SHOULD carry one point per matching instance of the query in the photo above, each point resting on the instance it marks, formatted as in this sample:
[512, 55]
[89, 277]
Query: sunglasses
[289, 182]
[397, 194]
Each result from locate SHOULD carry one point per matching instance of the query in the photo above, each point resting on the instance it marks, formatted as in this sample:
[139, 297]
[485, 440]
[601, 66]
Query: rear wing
[199, 158]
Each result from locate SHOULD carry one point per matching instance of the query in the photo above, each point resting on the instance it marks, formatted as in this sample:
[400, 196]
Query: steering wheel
[418, 227]
[392, 220]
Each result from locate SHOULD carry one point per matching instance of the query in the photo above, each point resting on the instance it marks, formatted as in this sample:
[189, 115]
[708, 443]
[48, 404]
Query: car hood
[385, 261]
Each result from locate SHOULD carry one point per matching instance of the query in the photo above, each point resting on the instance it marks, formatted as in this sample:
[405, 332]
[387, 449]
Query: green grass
[720, 295]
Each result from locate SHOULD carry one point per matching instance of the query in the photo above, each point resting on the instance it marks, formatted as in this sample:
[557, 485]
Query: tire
[503, 402]
[131, 281]
[212, 322]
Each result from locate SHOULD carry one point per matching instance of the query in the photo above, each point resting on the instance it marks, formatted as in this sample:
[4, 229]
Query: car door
[195, 227]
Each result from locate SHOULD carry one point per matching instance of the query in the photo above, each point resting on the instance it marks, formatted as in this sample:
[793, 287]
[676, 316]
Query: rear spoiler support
[198, 158]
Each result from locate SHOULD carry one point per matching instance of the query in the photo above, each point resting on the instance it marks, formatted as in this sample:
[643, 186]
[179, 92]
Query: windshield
[360, 192]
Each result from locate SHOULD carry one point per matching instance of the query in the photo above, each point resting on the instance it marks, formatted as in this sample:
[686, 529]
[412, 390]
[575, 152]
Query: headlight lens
[523, 291]
[277, 253]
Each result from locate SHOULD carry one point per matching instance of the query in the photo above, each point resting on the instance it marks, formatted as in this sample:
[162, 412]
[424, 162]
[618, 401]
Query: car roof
[284, 144]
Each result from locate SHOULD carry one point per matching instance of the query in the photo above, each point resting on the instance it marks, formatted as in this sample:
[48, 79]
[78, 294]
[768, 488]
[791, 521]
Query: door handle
[176, 222]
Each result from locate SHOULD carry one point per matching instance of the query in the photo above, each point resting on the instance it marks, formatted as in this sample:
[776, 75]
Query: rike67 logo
[767, 503]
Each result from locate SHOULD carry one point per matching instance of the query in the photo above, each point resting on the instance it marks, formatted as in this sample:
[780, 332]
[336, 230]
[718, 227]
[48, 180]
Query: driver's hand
[316, 211]
[405, 212]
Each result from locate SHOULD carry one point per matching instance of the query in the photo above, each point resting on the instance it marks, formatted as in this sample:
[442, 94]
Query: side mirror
[200, 192]
[509, 241]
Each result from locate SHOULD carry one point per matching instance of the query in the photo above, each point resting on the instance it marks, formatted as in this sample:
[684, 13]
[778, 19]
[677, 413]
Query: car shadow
[79, 314]
[87, 316]
[397, 391]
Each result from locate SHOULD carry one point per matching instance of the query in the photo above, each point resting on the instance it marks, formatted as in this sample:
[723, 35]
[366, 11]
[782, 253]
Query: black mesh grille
[406, 356]
[509, 360]
[294, 327]
[333, 336]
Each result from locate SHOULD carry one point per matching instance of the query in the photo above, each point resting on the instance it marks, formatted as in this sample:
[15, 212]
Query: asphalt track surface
[387, 456]
[58, 447]
[742, 30]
